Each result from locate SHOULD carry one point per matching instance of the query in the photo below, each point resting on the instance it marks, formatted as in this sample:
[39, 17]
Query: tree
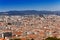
[32, 39]
[52, 38]
[16, 39]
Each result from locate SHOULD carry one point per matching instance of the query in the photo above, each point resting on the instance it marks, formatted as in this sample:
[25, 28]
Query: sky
[10, 5]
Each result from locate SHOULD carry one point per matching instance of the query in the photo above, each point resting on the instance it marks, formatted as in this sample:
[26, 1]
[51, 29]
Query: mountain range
[30, 12]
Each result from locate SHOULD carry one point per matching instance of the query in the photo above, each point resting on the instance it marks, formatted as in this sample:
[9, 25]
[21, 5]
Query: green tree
[16, 39]
[52, 38]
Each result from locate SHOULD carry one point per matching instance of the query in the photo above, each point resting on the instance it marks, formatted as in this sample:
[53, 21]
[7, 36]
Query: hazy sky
[6, 5]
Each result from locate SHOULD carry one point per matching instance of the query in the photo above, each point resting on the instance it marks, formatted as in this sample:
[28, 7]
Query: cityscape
[29, 26]
[29, 19]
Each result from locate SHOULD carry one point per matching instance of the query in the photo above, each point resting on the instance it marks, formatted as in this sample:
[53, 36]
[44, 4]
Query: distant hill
[30, 12]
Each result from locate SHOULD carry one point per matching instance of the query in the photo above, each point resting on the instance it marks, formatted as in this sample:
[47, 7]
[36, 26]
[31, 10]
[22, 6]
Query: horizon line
[29, 10]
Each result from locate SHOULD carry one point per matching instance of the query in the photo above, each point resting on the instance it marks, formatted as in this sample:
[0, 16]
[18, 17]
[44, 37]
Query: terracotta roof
[32, 36]
[1, 23]
[2, 39]
[23, 38]
[18, 33]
